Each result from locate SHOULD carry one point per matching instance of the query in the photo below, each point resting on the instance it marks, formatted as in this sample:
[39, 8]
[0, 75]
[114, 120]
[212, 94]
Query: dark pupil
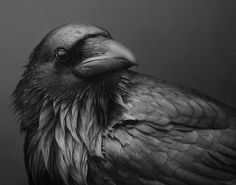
[62, 55]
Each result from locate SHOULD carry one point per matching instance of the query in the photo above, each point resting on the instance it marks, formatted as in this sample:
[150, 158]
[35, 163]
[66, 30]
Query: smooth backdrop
[192, 43]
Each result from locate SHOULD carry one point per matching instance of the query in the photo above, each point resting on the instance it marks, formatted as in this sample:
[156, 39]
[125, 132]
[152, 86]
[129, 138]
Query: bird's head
[72, 54]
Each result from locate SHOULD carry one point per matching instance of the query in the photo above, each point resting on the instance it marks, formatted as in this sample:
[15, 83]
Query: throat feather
[77, 133]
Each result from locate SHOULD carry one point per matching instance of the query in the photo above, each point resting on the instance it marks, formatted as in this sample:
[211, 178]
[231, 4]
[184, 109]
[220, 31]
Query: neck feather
[70, 131]
[75, 132]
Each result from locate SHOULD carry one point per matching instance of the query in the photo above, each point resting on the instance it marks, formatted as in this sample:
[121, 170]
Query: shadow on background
[192, 43]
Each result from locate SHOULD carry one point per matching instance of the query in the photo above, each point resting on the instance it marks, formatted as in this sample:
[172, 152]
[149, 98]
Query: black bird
[87, 119]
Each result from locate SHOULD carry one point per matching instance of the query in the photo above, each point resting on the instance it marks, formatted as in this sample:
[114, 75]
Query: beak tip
[133, 61]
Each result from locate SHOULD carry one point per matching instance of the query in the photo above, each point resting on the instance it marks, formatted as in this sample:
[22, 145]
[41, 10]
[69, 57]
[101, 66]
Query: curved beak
[115, 57]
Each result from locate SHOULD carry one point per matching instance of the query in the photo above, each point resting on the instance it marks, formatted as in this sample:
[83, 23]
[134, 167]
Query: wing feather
[178, 136]
[192, 157]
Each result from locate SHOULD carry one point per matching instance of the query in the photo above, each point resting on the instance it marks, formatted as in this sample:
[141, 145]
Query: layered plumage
[90, 120]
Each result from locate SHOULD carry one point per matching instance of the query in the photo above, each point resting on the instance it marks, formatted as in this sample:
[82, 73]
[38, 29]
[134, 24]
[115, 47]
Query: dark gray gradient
[192, 43]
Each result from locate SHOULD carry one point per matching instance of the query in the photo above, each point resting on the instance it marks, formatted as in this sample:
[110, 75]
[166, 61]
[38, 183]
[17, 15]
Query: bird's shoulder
[162, 102]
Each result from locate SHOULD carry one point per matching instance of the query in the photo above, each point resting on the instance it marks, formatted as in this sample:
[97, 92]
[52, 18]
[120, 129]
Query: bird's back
[171, 135]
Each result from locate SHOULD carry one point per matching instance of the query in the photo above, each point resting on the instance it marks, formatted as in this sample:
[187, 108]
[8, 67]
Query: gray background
[188, 42]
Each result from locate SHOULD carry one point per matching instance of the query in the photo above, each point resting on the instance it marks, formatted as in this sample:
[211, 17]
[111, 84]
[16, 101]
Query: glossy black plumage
[174, 136]
[90, 120]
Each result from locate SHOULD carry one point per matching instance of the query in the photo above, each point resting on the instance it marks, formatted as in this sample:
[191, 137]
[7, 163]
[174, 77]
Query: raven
[89, 120]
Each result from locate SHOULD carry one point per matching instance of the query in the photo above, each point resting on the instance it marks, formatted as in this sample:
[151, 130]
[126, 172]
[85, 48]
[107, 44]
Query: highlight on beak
[115, 58]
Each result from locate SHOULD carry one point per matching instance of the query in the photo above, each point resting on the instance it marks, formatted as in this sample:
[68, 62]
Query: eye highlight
[62, 55]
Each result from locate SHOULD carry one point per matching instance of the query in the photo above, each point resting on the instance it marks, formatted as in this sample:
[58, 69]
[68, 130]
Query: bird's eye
[62, 55]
